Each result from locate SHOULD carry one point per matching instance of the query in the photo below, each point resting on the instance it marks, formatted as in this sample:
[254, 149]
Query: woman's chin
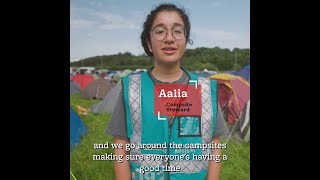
[170, 60]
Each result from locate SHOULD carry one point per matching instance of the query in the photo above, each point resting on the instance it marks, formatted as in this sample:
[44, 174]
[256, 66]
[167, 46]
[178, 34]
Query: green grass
[82, 165]
[237, 167]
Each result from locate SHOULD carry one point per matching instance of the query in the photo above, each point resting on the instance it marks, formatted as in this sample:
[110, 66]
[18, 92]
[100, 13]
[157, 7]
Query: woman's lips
[169, 51]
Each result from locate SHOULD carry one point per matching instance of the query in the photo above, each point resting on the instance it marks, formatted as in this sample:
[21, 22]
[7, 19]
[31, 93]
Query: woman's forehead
[168, 19]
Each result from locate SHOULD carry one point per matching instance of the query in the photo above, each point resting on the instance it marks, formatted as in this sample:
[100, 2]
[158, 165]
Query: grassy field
[83, 167]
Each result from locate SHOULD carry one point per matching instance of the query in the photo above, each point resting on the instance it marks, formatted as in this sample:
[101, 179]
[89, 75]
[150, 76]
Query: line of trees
[216, 58]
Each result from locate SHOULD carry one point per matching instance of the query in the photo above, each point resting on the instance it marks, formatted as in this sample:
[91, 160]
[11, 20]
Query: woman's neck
[167, 72]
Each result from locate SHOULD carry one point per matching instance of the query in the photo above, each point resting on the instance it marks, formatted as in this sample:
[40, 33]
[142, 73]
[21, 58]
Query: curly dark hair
[145, 35]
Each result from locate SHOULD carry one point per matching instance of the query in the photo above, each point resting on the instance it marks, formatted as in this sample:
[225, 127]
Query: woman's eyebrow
[161, 24]
[177, 24]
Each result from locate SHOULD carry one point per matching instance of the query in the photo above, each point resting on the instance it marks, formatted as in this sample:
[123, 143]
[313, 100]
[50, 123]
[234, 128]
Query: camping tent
[98, 88]
[233, 94]
[204, 73]
[74, 87]
[108, 103]
[241, 130]
[244, 72]
[82, 79]
[136, 72]
[244, 122]
[77, 128]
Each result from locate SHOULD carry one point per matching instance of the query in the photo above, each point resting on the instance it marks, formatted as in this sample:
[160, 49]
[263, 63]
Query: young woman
[164, 38]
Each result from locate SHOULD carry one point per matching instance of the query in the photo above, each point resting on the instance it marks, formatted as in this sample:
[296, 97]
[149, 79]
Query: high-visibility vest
[144, 128]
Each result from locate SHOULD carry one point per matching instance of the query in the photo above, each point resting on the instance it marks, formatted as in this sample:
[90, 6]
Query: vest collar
[183, 69]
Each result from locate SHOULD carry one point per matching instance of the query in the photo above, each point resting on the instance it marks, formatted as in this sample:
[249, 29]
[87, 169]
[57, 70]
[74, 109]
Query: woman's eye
[159, 32]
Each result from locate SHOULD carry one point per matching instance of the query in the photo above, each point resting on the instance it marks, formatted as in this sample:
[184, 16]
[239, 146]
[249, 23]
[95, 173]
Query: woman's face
[170, 49]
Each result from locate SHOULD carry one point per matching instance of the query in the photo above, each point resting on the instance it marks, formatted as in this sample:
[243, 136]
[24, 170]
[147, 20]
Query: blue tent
[244, 72]
[77, 128]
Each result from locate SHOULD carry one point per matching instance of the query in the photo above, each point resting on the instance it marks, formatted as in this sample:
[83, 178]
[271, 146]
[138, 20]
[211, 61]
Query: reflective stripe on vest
[135, 110]
[206, 124]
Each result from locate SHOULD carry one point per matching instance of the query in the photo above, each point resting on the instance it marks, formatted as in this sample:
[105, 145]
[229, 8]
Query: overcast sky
[105, 27]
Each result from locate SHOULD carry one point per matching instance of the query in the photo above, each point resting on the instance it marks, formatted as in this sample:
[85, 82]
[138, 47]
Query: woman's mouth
[169, 50]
